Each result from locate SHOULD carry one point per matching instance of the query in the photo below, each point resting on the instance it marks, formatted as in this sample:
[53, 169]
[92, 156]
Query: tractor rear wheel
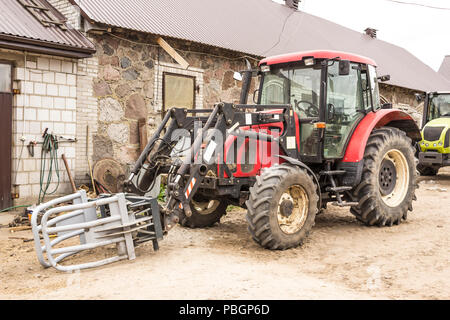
[205, 213]
[388, 181]
[282, 206]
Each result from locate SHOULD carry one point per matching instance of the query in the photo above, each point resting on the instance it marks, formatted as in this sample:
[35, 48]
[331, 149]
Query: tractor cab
[437, 105]
[325, 88]
[435, 144]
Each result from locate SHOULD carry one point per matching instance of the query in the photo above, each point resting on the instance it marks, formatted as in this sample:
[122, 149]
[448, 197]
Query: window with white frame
[178, 87]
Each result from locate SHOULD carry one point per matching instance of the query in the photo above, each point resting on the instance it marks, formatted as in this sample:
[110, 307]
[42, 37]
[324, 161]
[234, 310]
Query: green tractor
[434, 149]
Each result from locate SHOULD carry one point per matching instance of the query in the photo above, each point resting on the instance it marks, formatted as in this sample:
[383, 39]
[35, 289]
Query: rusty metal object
[89, 162]
[109, 173]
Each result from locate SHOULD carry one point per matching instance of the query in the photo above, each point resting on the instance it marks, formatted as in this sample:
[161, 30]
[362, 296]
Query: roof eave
[38, 46]
[105, 26]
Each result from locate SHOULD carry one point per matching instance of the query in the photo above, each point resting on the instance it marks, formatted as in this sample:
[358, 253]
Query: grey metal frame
[80, 219]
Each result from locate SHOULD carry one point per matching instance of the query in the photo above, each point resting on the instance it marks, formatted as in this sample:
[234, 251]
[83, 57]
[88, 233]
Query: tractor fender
[374, 120]
[308, 169]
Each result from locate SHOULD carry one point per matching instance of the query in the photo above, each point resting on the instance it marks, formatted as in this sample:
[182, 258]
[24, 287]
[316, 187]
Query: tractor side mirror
[344, 67]
[419, 97]
[385, 78]
[237, 76]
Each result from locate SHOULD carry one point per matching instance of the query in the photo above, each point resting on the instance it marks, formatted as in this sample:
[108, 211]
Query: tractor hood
[444, 121]
[436, 136]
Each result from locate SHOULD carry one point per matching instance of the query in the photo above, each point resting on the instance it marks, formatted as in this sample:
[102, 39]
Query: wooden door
[6, 99]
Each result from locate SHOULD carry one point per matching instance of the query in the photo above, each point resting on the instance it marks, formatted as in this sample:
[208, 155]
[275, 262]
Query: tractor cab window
[365, 87]
[374, 87]
[300, 87]
[345, 101]
[439, 106]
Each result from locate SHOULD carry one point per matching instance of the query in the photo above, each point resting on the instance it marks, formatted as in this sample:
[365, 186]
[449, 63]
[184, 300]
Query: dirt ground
[342, 259]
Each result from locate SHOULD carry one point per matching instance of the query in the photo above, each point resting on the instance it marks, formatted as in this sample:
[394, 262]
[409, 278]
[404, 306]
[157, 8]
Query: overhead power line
[418, 4]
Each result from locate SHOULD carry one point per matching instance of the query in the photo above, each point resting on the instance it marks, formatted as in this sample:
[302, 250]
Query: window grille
[43, 14]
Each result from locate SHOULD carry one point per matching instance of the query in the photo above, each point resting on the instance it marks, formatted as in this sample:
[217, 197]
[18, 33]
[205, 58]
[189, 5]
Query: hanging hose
[16, 207]
[50, 149]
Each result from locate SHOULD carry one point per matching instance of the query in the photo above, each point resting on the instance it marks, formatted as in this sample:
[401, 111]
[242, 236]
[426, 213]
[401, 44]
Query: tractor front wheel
[282, 206]
[205, 213]
[388, 181]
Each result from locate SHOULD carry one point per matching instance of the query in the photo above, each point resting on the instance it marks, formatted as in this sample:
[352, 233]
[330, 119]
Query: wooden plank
[143, 138]
[69, 174]
[173, 53]
[43, 14]
[21, 228]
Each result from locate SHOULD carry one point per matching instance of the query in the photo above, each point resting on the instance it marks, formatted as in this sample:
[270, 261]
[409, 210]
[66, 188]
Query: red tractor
[316, 134]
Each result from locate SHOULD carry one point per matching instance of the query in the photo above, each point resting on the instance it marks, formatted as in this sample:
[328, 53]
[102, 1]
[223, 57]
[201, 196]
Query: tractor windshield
[439, 106]
[298, 86]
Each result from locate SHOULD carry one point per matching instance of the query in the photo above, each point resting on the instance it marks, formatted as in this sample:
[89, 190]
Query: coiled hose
[50, 151]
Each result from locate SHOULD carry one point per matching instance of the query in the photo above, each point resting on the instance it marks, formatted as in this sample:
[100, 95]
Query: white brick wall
[48, 99]
[87, 113]
[71, 12]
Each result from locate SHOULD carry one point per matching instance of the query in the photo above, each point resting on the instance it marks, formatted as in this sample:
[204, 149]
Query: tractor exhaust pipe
[246, 83]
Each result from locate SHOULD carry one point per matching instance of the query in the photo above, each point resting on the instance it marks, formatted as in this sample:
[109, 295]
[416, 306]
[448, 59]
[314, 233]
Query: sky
[423, 31]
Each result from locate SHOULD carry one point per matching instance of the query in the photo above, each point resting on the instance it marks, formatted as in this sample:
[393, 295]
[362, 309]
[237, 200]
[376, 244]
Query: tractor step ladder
[59, 221]
[332, 172]
[337, 189]
[344, 204]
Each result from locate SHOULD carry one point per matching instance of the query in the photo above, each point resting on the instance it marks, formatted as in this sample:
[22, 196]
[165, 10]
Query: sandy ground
[342, 259]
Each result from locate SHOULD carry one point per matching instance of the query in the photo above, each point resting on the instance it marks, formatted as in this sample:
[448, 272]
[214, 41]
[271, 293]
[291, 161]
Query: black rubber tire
[262, 206]
[372, 210]
[427, 171]
[197, 220]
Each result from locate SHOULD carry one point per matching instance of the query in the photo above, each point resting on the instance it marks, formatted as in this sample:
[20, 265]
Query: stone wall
[399, 95]
[403, 99]
[129, 86]
[48, 99]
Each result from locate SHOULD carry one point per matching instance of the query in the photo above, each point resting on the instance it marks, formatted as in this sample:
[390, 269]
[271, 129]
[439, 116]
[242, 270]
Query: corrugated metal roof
[17, 24]
[260, 27]
[444, 70]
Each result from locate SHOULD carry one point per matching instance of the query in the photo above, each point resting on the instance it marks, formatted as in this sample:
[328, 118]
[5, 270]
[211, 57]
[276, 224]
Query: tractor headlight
[426, 145]
[440, 143]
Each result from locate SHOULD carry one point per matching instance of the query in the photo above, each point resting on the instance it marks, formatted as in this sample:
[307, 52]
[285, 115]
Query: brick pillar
[87, 114]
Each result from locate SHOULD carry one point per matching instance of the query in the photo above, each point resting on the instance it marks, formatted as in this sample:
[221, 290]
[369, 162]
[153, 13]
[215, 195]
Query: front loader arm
[184, 179]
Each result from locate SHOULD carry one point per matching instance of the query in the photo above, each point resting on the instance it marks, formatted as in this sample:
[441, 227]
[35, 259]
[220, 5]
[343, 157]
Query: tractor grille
[432, 133]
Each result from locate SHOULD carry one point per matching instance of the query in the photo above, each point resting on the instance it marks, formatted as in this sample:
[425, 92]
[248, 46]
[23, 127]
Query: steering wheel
[312, 111]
